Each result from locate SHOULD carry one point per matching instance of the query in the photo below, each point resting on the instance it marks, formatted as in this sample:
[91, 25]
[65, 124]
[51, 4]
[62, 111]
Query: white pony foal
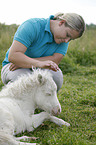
[18, 102]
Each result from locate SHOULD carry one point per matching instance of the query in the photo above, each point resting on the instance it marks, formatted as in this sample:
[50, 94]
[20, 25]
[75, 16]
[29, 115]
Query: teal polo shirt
[35, 34]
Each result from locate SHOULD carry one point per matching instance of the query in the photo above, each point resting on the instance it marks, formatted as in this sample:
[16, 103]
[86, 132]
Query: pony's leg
[6, 139]
[26, 138]
[22, 143]
[36, 120]
[58, 121]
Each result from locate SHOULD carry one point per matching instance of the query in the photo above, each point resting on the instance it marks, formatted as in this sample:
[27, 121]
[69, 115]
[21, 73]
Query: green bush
[84, 56]
[6, 35]
[67, 65]
[83, 50]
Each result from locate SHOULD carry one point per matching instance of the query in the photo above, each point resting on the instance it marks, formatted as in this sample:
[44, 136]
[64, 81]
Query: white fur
[18, 102]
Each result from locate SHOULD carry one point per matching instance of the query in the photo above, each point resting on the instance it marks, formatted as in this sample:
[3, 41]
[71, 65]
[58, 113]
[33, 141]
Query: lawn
[78, 100]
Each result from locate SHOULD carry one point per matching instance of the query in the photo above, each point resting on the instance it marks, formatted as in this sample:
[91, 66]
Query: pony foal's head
[46, 94]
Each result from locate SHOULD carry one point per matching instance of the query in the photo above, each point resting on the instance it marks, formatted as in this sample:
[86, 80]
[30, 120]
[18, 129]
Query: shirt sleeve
[62, 49]
[26, 33]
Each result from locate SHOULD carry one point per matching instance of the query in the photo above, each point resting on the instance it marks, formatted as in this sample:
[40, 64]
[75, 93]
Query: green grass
[78, 101]
[77, 95]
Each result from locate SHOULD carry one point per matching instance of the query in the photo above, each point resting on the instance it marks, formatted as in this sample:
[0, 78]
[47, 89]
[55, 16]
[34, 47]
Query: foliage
[6, 37]
[84, 49]
[67, 65]
[77, 95]
[81, 51]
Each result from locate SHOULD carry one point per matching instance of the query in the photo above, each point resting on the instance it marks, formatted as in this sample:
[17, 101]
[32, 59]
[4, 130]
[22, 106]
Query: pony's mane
[24, 82]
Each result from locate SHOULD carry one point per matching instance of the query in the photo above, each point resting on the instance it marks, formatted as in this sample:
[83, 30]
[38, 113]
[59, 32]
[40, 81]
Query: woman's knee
[11, 76]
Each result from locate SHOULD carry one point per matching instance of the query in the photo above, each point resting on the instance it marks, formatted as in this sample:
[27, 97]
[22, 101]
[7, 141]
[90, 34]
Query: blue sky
[17, 11]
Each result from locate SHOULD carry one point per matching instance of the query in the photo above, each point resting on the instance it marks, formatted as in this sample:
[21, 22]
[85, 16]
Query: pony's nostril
[59, 111]
[56, 111]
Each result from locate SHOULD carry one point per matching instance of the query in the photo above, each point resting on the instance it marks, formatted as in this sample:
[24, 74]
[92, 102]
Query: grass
[77, 95]
[78, 101]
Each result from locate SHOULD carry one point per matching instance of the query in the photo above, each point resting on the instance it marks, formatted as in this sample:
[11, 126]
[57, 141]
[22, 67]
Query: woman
[41, 43]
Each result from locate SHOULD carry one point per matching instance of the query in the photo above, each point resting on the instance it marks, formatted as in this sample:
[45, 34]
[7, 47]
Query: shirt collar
[47, 27]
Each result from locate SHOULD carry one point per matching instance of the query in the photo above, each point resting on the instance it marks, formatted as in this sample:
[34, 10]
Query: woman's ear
[62, 22]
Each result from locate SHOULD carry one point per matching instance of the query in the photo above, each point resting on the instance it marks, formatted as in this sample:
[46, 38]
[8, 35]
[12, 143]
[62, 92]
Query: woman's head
[74, 21]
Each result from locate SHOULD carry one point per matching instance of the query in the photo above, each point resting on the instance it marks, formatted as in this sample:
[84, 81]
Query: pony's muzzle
[56, 110]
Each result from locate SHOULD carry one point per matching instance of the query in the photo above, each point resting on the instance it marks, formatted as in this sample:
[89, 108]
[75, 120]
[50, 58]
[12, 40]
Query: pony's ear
[41, 79]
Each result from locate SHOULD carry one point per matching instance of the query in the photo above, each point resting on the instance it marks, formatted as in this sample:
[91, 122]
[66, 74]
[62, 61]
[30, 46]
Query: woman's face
[63, 33]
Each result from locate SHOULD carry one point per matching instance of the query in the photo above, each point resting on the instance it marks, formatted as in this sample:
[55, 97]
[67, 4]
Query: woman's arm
[56, 57]
[19, 59]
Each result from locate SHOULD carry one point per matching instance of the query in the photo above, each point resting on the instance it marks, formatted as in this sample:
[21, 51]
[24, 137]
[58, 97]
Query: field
[77, 95]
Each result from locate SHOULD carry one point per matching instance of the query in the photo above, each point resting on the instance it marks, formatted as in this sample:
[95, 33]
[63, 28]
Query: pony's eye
[48, 94]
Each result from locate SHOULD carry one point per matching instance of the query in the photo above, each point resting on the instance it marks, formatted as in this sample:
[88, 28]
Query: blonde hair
[73, 21]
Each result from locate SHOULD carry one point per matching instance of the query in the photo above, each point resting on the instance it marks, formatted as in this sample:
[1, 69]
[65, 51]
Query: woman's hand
[13, 67]
[48, 64]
